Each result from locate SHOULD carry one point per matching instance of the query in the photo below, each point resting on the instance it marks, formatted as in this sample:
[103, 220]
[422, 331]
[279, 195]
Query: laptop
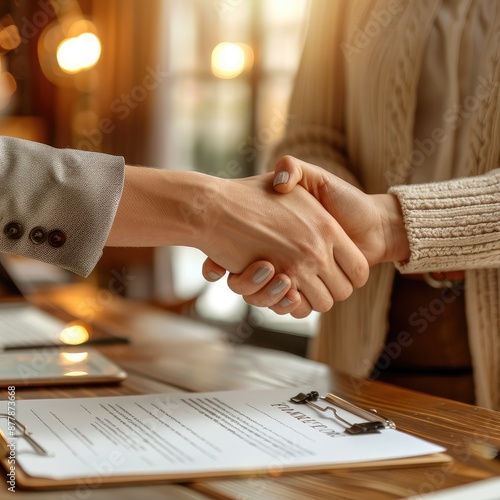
[25, 325]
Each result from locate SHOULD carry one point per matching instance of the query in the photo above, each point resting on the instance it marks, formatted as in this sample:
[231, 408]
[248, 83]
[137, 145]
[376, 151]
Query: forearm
[237, 222]
[162, 208]
[393, 228]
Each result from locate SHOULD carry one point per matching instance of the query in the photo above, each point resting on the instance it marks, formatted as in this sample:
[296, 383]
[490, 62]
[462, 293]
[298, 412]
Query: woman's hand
[260, 285]
[373, 222]
[294, 233]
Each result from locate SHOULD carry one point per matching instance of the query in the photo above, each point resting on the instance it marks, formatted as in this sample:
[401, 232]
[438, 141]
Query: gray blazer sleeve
[57, 205]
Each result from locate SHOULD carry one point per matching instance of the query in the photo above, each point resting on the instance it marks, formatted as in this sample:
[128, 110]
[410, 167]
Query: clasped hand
[318, 256]
[314, 262]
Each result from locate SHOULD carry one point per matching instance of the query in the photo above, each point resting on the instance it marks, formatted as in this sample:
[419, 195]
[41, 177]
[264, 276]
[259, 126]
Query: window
[222, 110]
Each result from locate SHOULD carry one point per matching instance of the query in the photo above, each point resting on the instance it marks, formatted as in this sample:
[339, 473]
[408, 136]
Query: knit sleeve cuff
[452, 225]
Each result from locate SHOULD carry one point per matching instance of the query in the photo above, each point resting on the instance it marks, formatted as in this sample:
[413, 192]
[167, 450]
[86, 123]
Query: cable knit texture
[452, 225]
[352, 112]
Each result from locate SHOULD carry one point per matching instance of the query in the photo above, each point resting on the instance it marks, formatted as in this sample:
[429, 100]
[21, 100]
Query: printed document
[193, 433]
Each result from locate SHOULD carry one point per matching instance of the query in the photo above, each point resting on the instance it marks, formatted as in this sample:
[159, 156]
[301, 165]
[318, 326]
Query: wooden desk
[169, 353]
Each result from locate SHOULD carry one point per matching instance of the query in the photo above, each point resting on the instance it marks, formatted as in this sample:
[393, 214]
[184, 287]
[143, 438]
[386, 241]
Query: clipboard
[295, 424]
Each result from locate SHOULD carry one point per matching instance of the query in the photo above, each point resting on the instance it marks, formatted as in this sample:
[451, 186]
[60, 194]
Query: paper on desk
[208, 433]
[486, 489]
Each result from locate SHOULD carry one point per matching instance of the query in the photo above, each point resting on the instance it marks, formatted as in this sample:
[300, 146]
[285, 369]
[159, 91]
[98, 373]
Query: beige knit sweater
[352, 112]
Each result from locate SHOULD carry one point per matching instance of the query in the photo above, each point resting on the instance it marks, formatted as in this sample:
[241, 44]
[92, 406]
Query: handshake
[311, 237]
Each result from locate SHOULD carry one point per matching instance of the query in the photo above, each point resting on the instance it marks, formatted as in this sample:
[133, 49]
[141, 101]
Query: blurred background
[176, 84]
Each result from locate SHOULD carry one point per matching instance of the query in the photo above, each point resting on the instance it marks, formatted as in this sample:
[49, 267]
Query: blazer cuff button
[13, 230]
[57, 238]
[38, 235]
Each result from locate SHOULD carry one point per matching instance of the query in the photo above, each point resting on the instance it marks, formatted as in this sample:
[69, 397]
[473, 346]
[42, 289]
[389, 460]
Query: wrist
[160, 208]
[191, 200]
[397, 247]
[198, 208]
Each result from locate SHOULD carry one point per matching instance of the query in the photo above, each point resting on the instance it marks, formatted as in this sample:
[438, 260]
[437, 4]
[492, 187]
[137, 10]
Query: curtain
[109, 108]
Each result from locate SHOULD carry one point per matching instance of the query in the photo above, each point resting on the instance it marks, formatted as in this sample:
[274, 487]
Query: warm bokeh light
[79, 53]
[74, 335]
[8, 86]
[74, 357]
[229, 59]
[76, 374]
[9, 38]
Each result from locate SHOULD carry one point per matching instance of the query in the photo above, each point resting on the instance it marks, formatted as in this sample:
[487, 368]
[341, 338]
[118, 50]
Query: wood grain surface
[168, 353]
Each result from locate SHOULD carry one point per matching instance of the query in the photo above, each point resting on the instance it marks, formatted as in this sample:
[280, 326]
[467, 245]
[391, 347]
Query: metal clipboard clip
[374, 420]
[24, 434]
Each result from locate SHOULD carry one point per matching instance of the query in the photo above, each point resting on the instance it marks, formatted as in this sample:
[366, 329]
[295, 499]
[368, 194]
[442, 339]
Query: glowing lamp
[230, 59]
[78, 53]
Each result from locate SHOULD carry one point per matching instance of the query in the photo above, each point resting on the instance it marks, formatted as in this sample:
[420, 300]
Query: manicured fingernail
[278, 287]
[213, 275]
[261, 274]
[281, 178]
[284, 302]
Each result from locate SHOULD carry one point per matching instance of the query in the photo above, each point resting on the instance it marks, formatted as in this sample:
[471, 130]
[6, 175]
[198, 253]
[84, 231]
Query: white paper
[187, 433]
[487, 489]
[24, 325]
